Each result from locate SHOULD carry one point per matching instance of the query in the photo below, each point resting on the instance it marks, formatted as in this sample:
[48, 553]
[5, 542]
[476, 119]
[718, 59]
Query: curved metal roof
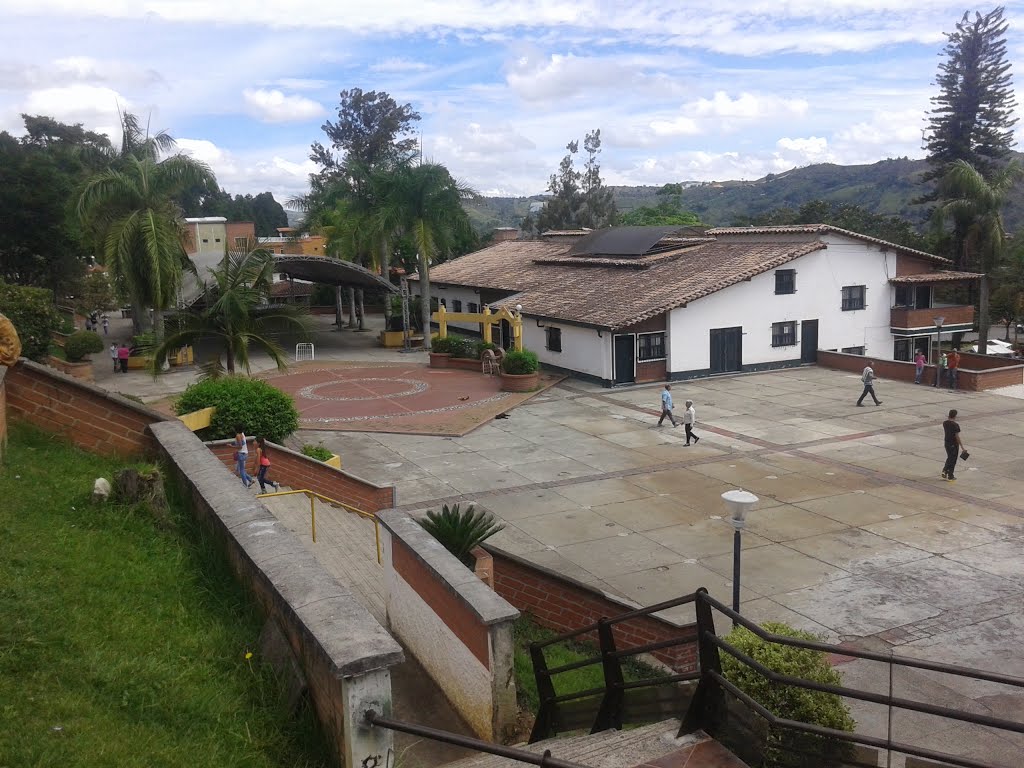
[320, 269]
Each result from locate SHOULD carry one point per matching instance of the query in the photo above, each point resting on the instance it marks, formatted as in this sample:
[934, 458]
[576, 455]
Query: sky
[681, 91]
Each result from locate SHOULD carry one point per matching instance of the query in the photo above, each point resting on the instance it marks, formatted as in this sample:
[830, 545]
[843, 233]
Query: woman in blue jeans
[242, 455]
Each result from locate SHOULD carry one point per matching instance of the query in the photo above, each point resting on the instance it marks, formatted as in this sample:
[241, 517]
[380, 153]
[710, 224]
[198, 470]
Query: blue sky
[681, 90]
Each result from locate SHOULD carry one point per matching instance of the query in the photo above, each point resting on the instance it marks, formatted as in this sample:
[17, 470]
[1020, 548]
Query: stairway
[653, 745]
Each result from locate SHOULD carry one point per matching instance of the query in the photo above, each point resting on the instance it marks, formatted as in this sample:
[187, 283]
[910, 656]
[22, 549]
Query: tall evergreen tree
[579, 199]
[598, 205]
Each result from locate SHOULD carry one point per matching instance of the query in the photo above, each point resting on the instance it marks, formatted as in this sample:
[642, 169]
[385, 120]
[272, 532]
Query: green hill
[887, 187]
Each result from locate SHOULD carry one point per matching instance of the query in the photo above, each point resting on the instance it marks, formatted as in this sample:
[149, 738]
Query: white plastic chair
[304, 351]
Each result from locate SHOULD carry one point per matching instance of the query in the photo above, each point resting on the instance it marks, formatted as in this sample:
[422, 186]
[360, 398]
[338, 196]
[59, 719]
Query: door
[726, 350]
[625, 356]
[506, 335]
[808, 341]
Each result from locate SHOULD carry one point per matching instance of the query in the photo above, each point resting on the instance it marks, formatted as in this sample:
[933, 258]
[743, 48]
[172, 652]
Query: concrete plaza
[856, 536]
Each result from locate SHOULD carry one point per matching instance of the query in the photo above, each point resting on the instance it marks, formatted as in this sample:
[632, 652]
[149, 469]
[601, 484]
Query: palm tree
[140, 228]
[137, 142]
[235, 314]
[975, 204]
[424, 202]
[351, 236]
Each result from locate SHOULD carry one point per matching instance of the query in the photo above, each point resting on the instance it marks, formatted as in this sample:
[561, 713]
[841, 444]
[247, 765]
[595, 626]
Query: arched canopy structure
[318, 269]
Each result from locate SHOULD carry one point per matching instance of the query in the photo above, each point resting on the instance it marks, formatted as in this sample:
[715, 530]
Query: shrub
[34, 317]
[263, 409]
[66, 325]
[317, 452]
[442, 346]
[459, 531]
[82, 343]
[782, 747]
[520, 363]
[480, 347]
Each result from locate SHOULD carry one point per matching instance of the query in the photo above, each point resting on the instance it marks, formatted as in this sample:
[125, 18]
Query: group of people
[948, 368]
[93, 322]
[951, 429]
[262, 460]
[689, 415]
[119, 357]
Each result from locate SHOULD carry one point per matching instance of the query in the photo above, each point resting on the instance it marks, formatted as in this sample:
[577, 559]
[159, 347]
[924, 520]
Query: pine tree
[598, 206]
[579, 199]
[973, 115]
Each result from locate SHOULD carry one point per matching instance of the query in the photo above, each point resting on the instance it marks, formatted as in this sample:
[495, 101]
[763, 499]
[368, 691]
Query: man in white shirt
[868, 377]
[689, 419]
[666, 406]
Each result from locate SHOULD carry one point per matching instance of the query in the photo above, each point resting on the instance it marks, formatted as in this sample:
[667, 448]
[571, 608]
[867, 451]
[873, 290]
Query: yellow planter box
[334, 461]
[198, 419]
[139, 363]
[392, 339]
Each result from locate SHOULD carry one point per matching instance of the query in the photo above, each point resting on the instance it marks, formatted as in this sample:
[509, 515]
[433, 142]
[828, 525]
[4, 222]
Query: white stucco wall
[458, 293]
[820, 277]
[582, 349]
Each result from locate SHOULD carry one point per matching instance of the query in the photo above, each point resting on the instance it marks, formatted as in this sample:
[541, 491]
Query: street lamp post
[938, 346]
[739, 503]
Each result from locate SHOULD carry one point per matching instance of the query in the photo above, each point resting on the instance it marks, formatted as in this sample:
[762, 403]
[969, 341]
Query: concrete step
[624, 749]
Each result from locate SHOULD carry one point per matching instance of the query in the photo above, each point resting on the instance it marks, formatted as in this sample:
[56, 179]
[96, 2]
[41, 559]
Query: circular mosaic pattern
[414, 388]
[444, 409]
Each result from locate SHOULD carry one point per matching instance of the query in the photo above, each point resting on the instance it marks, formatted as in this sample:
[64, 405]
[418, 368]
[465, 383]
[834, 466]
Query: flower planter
[82, 370]
[526, 382]
[334, 461]
[464, 364]
[439, 359]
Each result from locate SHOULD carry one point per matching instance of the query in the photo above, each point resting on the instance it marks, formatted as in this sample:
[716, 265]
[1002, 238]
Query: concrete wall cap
[484, 602]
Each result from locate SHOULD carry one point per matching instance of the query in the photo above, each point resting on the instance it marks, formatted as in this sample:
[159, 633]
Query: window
[216, 240]
[206, 239]
[785, 281]
[473, 308]
[650, 346]
[904, 296]
[241, 242]
[554, 339]
[456, 305]
[853, 297]
[853, 350]
[784, 334]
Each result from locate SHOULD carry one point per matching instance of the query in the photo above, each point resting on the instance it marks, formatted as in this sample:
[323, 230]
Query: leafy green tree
[234, 316]
[34, 317]
[845, 216]
[424, 202]
[132, 210]
[372, 128]
[578, 199]
[668, 212]
[973, 116]
[598, 209]
[95, 293]
[974, 204]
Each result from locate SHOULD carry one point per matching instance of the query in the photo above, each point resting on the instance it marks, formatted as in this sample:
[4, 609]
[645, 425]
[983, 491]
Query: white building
[641, 304]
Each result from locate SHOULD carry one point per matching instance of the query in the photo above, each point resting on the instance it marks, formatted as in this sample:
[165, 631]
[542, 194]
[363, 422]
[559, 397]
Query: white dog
[100, 489]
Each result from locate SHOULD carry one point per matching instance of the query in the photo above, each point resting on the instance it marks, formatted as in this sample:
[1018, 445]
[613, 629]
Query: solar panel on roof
[620, 241]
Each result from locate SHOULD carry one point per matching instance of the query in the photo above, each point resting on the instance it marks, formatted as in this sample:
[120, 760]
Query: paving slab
[1000, 558]
[620, 554]
[775, 568]
[933, 533]
[705, 538]
[787, 522]
[856, 508]
[598, 492]
[570, 527]
[520, 504]
[856, 550]
[650, 513]
[943, 583]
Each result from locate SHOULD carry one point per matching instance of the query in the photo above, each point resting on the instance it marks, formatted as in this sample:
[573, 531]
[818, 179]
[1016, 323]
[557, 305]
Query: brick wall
[298, 471]
[970, 380]
[562, 605]
[90, 417]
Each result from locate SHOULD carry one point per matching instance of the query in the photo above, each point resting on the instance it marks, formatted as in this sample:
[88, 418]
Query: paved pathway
[856, 536]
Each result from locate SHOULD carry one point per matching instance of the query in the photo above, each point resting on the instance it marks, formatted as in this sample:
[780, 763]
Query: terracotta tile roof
[821, 229]
[941, 276]
[611, 295]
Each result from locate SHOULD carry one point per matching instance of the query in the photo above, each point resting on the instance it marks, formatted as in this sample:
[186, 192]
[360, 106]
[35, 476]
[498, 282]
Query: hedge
[34, 317]
[261, 409]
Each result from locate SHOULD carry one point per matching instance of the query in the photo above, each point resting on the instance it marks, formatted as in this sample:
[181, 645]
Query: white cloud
[89, 104]
[273, 106]
[746, 106]
[398, 64]
[282, 171]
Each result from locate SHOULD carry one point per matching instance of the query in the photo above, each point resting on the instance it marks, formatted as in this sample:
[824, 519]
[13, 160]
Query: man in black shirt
[953, 445]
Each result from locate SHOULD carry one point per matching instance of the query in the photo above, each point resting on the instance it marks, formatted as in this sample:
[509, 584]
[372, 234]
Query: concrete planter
[334, 461]
[526, 382]
[484, 565]
[392, 339]
[82, 370]
[439, 359]
[464, 364]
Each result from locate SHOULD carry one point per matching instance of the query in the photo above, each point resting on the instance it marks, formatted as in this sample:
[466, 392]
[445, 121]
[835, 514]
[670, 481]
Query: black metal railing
[706, 706]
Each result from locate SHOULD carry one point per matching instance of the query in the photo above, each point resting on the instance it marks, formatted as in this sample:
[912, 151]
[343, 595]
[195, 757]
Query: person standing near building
[919, 362]
[113, 355]
[953, 444]
[868, 378]
[689, 419]
[242, 455]
[953, 363]
[940, 370]
[122, 357]
[666, 406]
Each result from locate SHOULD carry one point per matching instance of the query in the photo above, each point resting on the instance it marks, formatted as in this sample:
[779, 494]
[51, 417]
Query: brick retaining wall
[563, 604]
[296, 470]
[89, 416]
[1000, 371]
[3, 411]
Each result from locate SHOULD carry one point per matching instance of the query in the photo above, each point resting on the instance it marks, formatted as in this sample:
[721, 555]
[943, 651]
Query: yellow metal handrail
[313, 495]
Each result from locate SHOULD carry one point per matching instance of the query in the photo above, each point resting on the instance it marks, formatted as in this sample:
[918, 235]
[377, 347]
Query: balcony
[906, 321]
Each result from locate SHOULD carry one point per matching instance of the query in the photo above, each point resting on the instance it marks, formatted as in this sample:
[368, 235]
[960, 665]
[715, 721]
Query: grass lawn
[525, 631]
[122, 642]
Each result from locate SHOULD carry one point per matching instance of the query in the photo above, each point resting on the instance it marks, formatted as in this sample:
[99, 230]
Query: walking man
[919, 362]
[954, 445]
[689, 419]
[106, 325]
[666, 406]
[868, 377]
[953, 363]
